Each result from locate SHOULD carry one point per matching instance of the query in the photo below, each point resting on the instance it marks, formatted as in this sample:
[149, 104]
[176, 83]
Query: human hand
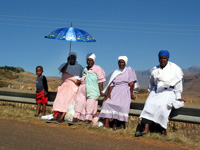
[182, 100]
[133, 97]
[102, 94]
[78, 82]
[107, 96]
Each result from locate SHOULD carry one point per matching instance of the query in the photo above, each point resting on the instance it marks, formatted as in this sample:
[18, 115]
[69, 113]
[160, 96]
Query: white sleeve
[151, 84]
[178, 89]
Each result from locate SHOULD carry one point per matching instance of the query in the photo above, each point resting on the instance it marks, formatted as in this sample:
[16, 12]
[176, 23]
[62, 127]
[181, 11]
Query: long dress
[86, 108]
[119, 105]
[161, 100]
[66, 93]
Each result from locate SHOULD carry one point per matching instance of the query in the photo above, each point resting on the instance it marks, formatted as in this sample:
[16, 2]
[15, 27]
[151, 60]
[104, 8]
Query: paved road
[32, 135]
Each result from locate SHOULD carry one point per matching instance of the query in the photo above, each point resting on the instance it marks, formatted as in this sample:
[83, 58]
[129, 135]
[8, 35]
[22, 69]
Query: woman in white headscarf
[116, 104]
[165, 87]
[71, 73]
[90, 89]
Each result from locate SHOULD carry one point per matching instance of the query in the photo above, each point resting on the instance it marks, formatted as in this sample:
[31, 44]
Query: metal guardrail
[188, 115]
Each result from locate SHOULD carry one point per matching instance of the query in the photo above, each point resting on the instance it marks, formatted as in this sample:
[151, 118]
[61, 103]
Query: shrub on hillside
[3, 84]
[14, 69]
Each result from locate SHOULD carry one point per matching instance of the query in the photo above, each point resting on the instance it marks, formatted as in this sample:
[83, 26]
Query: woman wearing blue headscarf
[165, 87]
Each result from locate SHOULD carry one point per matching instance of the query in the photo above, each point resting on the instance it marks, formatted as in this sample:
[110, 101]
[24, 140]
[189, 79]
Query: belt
[172, 87]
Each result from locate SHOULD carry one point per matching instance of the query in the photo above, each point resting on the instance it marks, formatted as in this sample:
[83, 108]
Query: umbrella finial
[71, 24]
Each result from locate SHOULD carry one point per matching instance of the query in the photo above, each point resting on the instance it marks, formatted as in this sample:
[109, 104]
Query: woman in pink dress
[71, 73]
[87, 101]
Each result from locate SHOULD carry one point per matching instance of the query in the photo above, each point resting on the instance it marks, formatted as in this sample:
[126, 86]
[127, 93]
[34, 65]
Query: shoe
[115, 128]
[59, 121]
[36, 115]
[51, 120]
[164, 133]
[87, 122]
[139, 134]
[72, 123]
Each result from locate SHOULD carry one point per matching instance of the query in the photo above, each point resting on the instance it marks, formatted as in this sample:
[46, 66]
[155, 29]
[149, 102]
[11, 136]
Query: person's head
[72, 58]
[39, 70]
[122, 61]
[90, 58]
[163, 56]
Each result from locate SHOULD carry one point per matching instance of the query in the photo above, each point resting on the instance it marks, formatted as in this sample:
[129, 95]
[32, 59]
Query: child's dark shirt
[41, 84]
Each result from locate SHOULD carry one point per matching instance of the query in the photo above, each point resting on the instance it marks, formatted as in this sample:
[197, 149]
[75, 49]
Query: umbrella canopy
[71, 34]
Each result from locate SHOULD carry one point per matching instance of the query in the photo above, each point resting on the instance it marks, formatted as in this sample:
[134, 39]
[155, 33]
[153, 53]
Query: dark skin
[163, 60]
[90, 63]
[70, 60]
[39, 71]
[122, 65]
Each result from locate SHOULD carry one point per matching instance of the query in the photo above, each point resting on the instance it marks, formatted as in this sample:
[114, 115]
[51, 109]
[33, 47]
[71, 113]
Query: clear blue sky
[137, 29]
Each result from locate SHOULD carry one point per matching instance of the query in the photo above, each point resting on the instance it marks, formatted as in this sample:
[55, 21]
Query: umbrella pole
[70, 47]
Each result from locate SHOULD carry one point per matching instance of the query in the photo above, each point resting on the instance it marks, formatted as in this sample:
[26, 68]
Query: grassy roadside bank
[184, 134]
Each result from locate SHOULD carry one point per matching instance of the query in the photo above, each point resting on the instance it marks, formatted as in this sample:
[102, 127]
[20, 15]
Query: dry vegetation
[184, 134]
[17, 78]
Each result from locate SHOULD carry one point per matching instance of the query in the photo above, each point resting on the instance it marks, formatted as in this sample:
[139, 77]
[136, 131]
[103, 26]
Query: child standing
[41, 91]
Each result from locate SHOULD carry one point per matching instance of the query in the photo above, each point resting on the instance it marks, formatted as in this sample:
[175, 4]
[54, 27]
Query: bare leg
[38, 109]
[107, 123]
[146, 129]
[43, 109]
[62, 116]
[75, 119]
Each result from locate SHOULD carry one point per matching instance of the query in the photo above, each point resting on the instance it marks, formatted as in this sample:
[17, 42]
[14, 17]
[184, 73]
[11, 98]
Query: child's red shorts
[40, 98]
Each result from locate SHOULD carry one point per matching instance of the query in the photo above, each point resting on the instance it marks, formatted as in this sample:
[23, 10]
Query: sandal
[139, 134]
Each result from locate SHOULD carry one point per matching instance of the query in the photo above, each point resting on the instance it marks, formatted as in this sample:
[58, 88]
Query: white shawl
[168, 76]
[114, 75]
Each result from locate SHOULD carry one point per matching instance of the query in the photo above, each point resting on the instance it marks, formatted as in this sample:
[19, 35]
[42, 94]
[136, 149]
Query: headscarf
[72, 53]
[163, 52]
[91, 55]
[116, 72]
[124, 58]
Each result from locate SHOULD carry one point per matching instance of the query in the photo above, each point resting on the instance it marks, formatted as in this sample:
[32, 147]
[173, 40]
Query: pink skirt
[66, 93]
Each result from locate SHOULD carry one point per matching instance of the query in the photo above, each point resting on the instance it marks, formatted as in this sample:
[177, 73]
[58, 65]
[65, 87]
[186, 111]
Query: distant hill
[191, 84]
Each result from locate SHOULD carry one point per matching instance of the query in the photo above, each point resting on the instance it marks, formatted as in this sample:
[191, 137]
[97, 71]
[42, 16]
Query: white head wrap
[124, 58]
[72, 53]
[91, 55]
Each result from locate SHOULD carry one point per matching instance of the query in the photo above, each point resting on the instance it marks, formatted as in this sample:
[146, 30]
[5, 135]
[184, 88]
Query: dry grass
[179, 133]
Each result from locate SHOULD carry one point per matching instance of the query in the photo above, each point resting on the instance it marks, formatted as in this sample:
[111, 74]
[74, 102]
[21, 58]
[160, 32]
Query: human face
[121, 64]
[90, 62]
[163, 61]
[39, 71]
[72, 59]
